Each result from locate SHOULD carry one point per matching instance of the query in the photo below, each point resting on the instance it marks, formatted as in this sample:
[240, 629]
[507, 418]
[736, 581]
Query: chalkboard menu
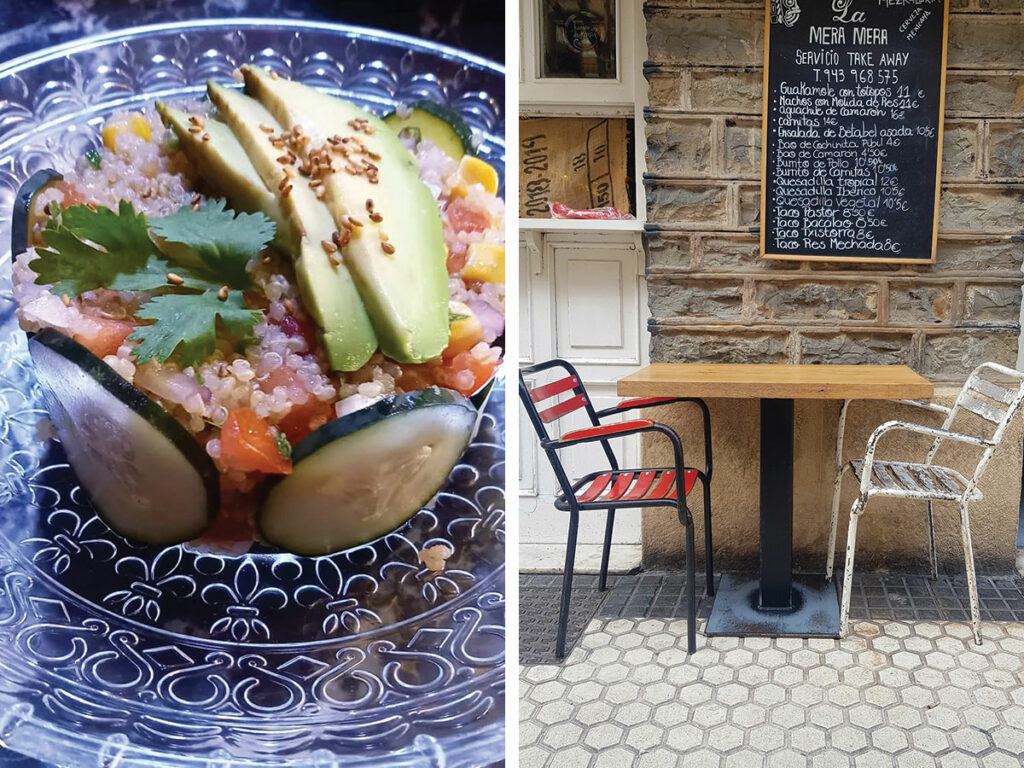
[852, 135]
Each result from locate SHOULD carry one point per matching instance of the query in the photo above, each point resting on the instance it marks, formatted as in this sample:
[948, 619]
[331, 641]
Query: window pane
[577, 38]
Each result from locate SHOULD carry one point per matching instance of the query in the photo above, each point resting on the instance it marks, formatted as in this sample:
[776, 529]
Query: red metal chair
[615, 488]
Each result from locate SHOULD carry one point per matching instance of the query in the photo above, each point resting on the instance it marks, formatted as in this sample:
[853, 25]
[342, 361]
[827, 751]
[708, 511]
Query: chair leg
[933, 554]
[607, 551]
[691, 608]
[570, 562]
[972, 578]
[830, 561]
[709, 557]
[851, 547]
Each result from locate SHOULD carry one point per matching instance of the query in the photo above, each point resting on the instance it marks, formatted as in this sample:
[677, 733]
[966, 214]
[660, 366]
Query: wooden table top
[797, 382]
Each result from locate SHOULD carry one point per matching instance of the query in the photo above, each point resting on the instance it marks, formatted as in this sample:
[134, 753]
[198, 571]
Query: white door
[583, 299]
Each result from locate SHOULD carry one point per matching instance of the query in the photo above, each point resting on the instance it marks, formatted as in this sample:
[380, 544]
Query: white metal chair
[989, 400]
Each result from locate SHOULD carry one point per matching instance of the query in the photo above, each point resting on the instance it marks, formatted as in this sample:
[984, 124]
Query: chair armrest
[592, 434]
[920, 429]
[639, 402]
[651, 402]
[603, 432]
[934, 407]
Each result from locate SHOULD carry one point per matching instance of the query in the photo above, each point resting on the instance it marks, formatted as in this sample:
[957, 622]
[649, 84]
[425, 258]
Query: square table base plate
[815, 611]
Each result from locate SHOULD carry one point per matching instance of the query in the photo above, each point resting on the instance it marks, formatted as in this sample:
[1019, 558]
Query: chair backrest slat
[993, 391]
[985, 410]
[561, 409]
[545, 391]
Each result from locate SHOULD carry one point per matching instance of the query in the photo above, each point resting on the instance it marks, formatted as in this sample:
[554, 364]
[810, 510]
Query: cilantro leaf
[153, 278]
[87, 249]
[283, 446]
[188, 323]
[216, 240]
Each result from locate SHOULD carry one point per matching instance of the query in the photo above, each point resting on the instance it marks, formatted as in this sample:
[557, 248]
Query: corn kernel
[473, 170]
[133, 122]
[485, 262]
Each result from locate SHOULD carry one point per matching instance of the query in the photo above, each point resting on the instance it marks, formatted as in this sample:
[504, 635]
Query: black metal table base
[737, 610]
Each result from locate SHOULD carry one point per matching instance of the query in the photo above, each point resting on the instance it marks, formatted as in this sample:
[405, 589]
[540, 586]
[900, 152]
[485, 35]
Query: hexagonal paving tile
[891, 695]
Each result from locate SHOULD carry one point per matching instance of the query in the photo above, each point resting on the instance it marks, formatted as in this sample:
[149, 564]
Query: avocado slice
[223, 164]
[328, 292]
[404, 283]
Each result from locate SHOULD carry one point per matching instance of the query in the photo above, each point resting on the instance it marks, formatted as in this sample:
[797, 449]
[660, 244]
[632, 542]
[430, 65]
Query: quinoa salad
[263, 385]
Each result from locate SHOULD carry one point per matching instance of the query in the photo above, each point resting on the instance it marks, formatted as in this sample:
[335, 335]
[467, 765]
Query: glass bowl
[118, 654]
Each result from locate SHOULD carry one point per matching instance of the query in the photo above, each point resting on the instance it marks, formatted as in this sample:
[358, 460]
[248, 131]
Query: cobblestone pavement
[893, 694]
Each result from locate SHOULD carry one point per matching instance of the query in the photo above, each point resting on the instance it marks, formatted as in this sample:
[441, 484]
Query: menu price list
[853, 130]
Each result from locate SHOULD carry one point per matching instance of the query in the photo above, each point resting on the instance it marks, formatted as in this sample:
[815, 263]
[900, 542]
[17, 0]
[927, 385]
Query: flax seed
[175, 279]
[336, 237]
[286, 191]
[283, 160]
[369, 205]
[329, 247]
[206, 137]
[376, 218]
[374, 156]
[266, 128]
[195, 199]
[353, 221]
[66, 299]
[388, 248]
[277, 143]
[194, 129]
[316, 183]
[383, 236]
[222, 294]
[284, 182]
[346, 236]
[333, 258]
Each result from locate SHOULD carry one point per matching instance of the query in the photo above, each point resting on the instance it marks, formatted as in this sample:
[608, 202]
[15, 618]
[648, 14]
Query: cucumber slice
[436, 122]
[148, 477]
[362, 476]
[21, 217]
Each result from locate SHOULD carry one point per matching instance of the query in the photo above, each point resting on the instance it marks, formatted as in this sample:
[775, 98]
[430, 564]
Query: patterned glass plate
[116, 654]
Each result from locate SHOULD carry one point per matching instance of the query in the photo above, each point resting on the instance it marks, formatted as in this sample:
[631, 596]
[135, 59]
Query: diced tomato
[300, 326]
[448, 373]
[303, 419]
[109, 335]
[464, 361]
[71, 194]
[462, 218]
[235, 520]
[248, 445]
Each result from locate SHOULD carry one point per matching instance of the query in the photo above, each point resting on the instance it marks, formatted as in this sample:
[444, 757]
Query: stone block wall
[712, 298]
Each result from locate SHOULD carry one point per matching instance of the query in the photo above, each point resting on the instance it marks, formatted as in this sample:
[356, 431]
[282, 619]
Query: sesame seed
[289, 172]
[376, 218]
[278, 143]
[369, 130]
[194, 129]
[289, 306]
[388, 248]
[175, 279]
[283, 160]
[383, 236]
[329, 247]
[222, 294]
[66, 299]
[266, 259]
[374, 156]
[193, 119]
[284, 182]
[195, 199]
[273, 75]
[286, 191]
[266, 128]
[206, 137]
[369, 205]
[333, 258]
[316, 183]
[345, 237]
[195, 206]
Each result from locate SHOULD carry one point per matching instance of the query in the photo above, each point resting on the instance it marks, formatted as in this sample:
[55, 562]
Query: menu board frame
[765, 116]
